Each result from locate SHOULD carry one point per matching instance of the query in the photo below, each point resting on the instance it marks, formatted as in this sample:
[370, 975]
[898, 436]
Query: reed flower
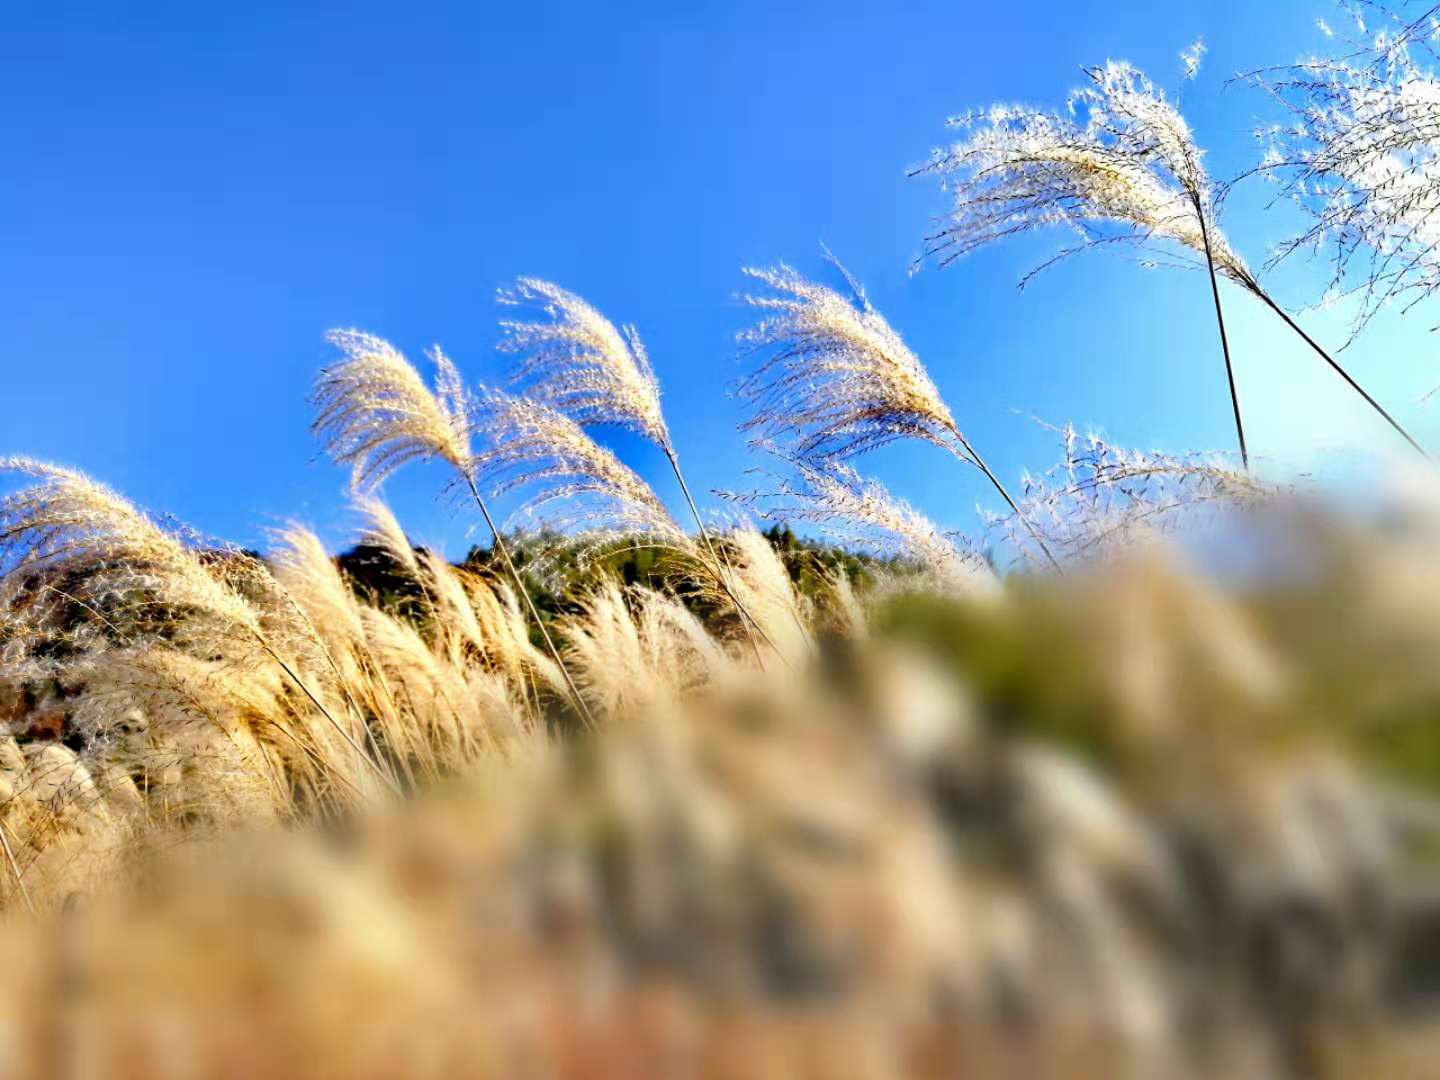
[1360, 156]
[569, 480]
[858, 510]
[1118, 165]
[1104, 498]
[839, 378]
[376, 414]
[578, 362]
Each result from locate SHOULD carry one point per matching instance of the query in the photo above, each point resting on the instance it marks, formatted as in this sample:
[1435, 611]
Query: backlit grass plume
[839, 380]
[838, 377]
[859, 510]
[1360, 155]
[570, 482]
[578, 362]
[375, 414]
[1103, 498]
[1119, 165]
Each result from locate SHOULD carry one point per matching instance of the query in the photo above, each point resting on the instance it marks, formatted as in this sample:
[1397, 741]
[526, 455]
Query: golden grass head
[1120, 157]
[376, 414]
[577, 361]
[571, 481]
[837, 375]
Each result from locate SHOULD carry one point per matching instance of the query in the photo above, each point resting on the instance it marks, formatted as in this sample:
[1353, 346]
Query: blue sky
[195, 193]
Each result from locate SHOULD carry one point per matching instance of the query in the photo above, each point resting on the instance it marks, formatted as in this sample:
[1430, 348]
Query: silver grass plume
[1118, 164]
[1360, 156]
[839, 379]
[860, 510]
[578, 362]
[1103, 498]
[570, 482]
[375, 414]
[581, 364]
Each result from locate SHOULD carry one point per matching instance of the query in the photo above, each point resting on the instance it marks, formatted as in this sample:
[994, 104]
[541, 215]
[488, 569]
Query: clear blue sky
[194, 193]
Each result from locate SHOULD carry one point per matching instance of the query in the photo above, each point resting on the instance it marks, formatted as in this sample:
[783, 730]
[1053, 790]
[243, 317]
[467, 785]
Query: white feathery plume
[1360, 156]
[840, 379]
[571, 481]
[376, 414]
[581, 364]
[1118, 165]
[1190, 59]
[1103, 497]
[860, 510]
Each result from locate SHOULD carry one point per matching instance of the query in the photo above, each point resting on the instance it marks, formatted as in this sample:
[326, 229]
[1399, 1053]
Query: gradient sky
[194, 193]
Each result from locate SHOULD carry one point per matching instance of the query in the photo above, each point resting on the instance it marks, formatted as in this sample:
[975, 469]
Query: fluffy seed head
[1118, 165]
[577, 361]
[838, 379]
[1102, 498]
[1360, 157]
[376, 414]
[572, 482]
[861, 511]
